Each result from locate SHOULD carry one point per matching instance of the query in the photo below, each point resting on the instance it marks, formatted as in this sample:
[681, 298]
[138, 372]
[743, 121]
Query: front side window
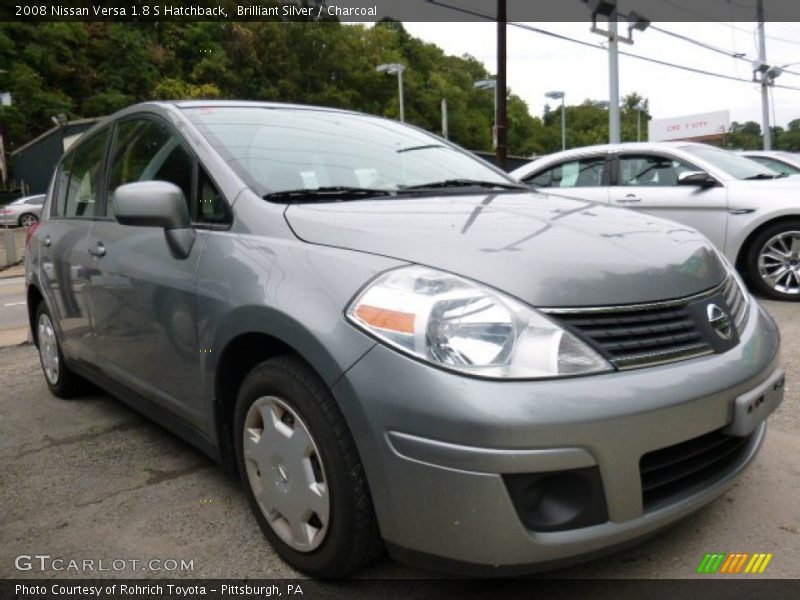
[80, 178]
[650, 170]
[277, 149]
[582, 172]
[145, 150]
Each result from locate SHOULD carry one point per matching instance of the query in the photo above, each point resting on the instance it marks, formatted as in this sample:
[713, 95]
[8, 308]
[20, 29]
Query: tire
[336, 538]
[28, 220]
[771, 252]
[62, 381]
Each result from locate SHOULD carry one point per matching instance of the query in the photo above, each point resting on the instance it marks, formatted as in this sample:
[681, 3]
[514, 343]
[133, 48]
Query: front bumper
[435, 446]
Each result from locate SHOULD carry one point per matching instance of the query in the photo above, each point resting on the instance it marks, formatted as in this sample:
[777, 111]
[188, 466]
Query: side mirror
[156, 204]
[699, 178]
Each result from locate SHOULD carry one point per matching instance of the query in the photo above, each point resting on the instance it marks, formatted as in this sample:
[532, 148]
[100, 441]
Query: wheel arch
[252, 343]
[741, 256]
[34, 297]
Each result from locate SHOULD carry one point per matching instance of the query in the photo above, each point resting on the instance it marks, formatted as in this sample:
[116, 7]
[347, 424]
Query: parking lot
[92, 479]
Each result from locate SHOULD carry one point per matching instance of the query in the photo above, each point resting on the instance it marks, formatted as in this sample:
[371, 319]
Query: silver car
[750, 212]
[393, 344]
[22, 212]
[787, 163]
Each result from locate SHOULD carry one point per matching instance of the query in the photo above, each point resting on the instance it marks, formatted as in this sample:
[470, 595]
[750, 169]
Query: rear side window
[146, 150]
[775, 165]
[80, 178]
[582, 172]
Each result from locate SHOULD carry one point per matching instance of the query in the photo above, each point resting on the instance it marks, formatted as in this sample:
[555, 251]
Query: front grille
[637, 337]
[689, 466]
[633, 336]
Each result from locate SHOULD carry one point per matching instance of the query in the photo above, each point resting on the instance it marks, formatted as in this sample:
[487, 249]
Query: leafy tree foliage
[93, 69]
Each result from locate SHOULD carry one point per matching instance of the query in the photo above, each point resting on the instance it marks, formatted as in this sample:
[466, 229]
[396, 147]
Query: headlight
[460, 325]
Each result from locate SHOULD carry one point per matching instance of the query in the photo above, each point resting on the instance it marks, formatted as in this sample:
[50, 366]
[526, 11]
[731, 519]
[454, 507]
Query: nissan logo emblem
[720, 321]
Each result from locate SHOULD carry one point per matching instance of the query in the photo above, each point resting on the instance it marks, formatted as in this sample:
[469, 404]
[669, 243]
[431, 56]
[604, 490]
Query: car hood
[546, 251]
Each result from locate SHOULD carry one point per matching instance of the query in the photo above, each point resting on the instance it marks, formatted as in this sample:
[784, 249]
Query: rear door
[65, 266]
[648, 182]
[143, 303]
[584, 177]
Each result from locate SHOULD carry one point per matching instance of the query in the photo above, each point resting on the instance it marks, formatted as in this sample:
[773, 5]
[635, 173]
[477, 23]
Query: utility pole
[501, 152]
[613, 82]
[444, 119]
[766, 131]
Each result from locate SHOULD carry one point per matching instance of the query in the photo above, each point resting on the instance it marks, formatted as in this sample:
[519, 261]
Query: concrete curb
[15, 270]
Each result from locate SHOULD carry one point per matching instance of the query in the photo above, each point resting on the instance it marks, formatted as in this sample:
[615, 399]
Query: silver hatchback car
[391, 343]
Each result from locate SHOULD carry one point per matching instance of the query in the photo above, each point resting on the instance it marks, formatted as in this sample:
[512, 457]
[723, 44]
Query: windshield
[286, 149]
[734, 165]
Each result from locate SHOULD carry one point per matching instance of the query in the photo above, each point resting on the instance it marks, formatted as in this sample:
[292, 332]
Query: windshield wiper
[333, 192]
[455, 183]
[763, 176]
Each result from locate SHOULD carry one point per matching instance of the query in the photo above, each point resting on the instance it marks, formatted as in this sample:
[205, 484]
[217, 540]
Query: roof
[52, 130]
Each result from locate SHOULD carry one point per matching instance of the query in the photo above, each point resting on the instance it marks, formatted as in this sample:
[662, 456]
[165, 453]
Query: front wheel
[773, 261]
[303, 476]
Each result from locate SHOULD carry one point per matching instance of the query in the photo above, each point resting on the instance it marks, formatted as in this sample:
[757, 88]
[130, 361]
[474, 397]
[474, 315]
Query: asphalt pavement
[92, 479]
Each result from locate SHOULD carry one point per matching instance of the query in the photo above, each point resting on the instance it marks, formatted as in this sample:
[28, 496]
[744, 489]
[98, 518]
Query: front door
[143, 295]
[649, 183]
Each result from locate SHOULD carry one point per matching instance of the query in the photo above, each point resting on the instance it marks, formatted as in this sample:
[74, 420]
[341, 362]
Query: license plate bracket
[750, 409]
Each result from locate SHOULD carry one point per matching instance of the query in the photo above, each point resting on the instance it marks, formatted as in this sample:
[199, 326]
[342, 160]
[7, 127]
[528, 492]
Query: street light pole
[762, 57]
[608, 9]
[556, 96]
[490, 84]
[396, 69]
[402, 98]
[500, 91]
[613, 86]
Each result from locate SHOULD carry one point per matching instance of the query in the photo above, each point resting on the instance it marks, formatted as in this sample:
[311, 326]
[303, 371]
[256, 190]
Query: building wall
[34, 165]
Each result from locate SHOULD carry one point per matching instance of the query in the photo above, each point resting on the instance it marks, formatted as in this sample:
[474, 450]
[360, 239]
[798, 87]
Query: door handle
[46, 242]
[628, 199]
[99, 250]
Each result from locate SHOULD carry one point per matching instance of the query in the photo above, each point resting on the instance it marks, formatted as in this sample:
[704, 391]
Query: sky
[538, 64]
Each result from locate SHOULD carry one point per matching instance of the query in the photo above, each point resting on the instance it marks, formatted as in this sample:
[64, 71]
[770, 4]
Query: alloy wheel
[286, 473]
[779, 262]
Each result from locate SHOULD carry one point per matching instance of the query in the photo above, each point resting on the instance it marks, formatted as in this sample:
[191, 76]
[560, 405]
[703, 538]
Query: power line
[599, 47]
[706, 17]
[685, 38]
[731, 54]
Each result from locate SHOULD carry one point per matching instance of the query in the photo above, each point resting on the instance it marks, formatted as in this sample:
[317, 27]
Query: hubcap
[286, 473]
[48, 349]
[28, 220]
[779, 262]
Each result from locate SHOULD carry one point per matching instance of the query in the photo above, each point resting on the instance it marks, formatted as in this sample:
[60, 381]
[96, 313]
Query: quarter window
[583, 172]
[145, 150]
[658, 171]
[80, 178]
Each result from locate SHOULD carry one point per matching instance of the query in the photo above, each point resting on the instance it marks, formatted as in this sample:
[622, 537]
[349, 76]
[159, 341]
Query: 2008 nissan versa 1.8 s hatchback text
[390, 342]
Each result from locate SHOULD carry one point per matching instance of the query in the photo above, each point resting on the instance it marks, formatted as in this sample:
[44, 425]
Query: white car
[22, 212]
[750, 212]
[777, 160]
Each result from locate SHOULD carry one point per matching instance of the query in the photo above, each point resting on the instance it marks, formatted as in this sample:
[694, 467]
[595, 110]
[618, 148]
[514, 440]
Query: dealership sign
[690, 126]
